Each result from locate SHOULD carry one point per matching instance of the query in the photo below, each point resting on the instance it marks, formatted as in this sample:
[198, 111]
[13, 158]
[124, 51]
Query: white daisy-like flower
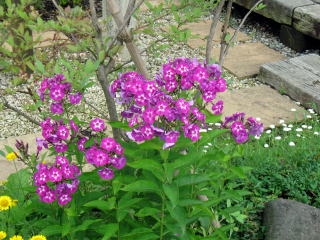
[257, 137]
[304, 126]
[204, 151]
[290, 125]
[206, 146]
[316, 133]
[203, 130]
[209, 129]
[272, 126]
[281, 121]
[258, 119]
[309, 116]
[293, 110]
[278, 138]
[284, 125]
[268, 131]
[292, 144]
[266, 145]
[298, 135]
[299, 129]
[298, 103]
[210, 144]
[286, 129]
[309, 127]
[218, 124]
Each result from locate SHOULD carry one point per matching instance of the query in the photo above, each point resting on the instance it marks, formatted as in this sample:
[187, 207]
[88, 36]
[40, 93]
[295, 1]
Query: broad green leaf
[2, 154]
[172, 192]
[108, 230]
[85, 225]
[119, 124]
[191, 179]
[148, 164]
[52, 230]
[9, 149]
[102, 204]
[148, 211]
[142, 186]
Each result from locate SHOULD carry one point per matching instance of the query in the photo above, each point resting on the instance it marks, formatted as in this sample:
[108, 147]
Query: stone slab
[279, 10]
[202, 29]
[291, 220]
[297, 77]
[262, 102]
[306, 19]
[244, 60]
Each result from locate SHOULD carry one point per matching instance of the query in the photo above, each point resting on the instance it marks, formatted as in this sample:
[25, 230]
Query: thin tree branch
[223, 41]
[97, 110]
[7, 105]
[129, 9]
[235, 34]
[213, 27]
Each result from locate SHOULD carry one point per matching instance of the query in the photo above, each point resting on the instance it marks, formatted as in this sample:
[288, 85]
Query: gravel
[13, 125]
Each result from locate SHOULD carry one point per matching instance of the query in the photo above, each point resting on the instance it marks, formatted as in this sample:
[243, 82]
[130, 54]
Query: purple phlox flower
[97, 125]
[75, 98]
[57, 93]
[61, 147]
[62, 160]
[108, 144]
[147, 132]
[42, 189]
[208, 96]
[56, 108]
[63, 132]
[101, 158]
[55, 174]
[41, 143]
[74, 127]
[81, 143]
[221, 85]
[200, 74]
[217, 108]
[64, 199]
[183, 106]
[127, 114]
[48, 197]
[149, 116]
[106, 173]
[118, 162]
[255, 128]
[91, 153]
[171, 85]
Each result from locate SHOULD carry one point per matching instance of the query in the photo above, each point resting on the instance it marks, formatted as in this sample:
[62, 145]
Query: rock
[291, 220]
[244, 60]
[293, 38]
[279, 10]
[306, 19]
[263, 102]
[297, 77]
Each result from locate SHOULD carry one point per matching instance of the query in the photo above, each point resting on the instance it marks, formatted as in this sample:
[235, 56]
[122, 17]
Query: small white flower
[298, 103]
[209, 129]
[206, 146]
[299, 129]
[309, 116]
[272, 126]
[277, 138]
[281, 121]
[316, 133]
[205, 151]
[304, 126]
[266, 145]
[290, 125]
[210, 144]
[258, 119]
[286, 129]
[284, 125]
[298, 135]
[218, 124]
[268, 131]
[257, 137]
[203, 130]
[311, 111]
[309, 127]
[293, 109]
[292, 144]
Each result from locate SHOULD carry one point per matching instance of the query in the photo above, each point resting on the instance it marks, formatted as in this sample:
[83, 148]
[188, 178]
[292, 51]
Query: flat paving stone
[297, 77]
[244, 60]
[262, 102]
[202, 29]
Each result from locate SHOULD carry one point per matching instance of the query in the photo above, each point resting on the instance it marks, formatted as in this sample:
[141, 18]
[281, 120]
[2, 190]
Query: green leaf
[148, 164]
[102, 205]
[107, 230]
[142, 186]
[191, 179]
[148, 211]
[172, 192]
[9, 149]
[85, 225]
[2, 154]
[39, 66]
[118, 124]
[52, 230]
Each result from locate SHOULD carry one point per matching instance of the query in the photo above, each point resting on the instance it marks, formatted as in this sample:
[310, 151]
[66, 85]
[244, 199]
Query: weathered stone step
[297, 77]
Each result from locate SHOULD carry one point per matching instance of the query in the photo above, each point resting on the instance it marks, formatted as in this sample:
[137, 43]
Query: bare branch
[224, 32]
[234, 36]
[129, 9]
[213, 27]
[7, 105]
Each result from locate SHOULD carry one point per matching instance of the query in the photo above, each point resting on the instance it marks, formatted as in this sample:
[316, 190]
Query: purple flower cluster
[155, 108]
[56, 182]
[59, 91]
[241, 129]
[56, 133]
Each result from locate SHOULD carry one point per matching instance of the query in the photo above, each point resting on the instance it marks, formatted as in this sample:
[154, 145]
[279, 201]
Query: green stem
[19, 179]
[162, 219]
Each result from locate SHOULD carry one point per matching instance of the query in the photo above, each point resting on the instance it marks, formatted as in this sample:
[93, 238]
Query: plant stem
[162, 219]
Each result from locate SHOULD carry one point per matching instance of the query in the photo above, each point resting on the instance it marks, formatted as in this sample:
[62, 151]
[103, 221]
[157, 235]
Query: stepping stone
[291, 220]
[244, 60]
[262, 102]
[202, 29]
[297, 77]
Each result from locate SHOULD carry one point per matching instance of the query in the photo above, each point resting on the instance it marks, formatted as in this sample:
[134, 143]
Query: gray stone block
[306, 19]
[297, 77]
[279, 10]
[291, 220]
